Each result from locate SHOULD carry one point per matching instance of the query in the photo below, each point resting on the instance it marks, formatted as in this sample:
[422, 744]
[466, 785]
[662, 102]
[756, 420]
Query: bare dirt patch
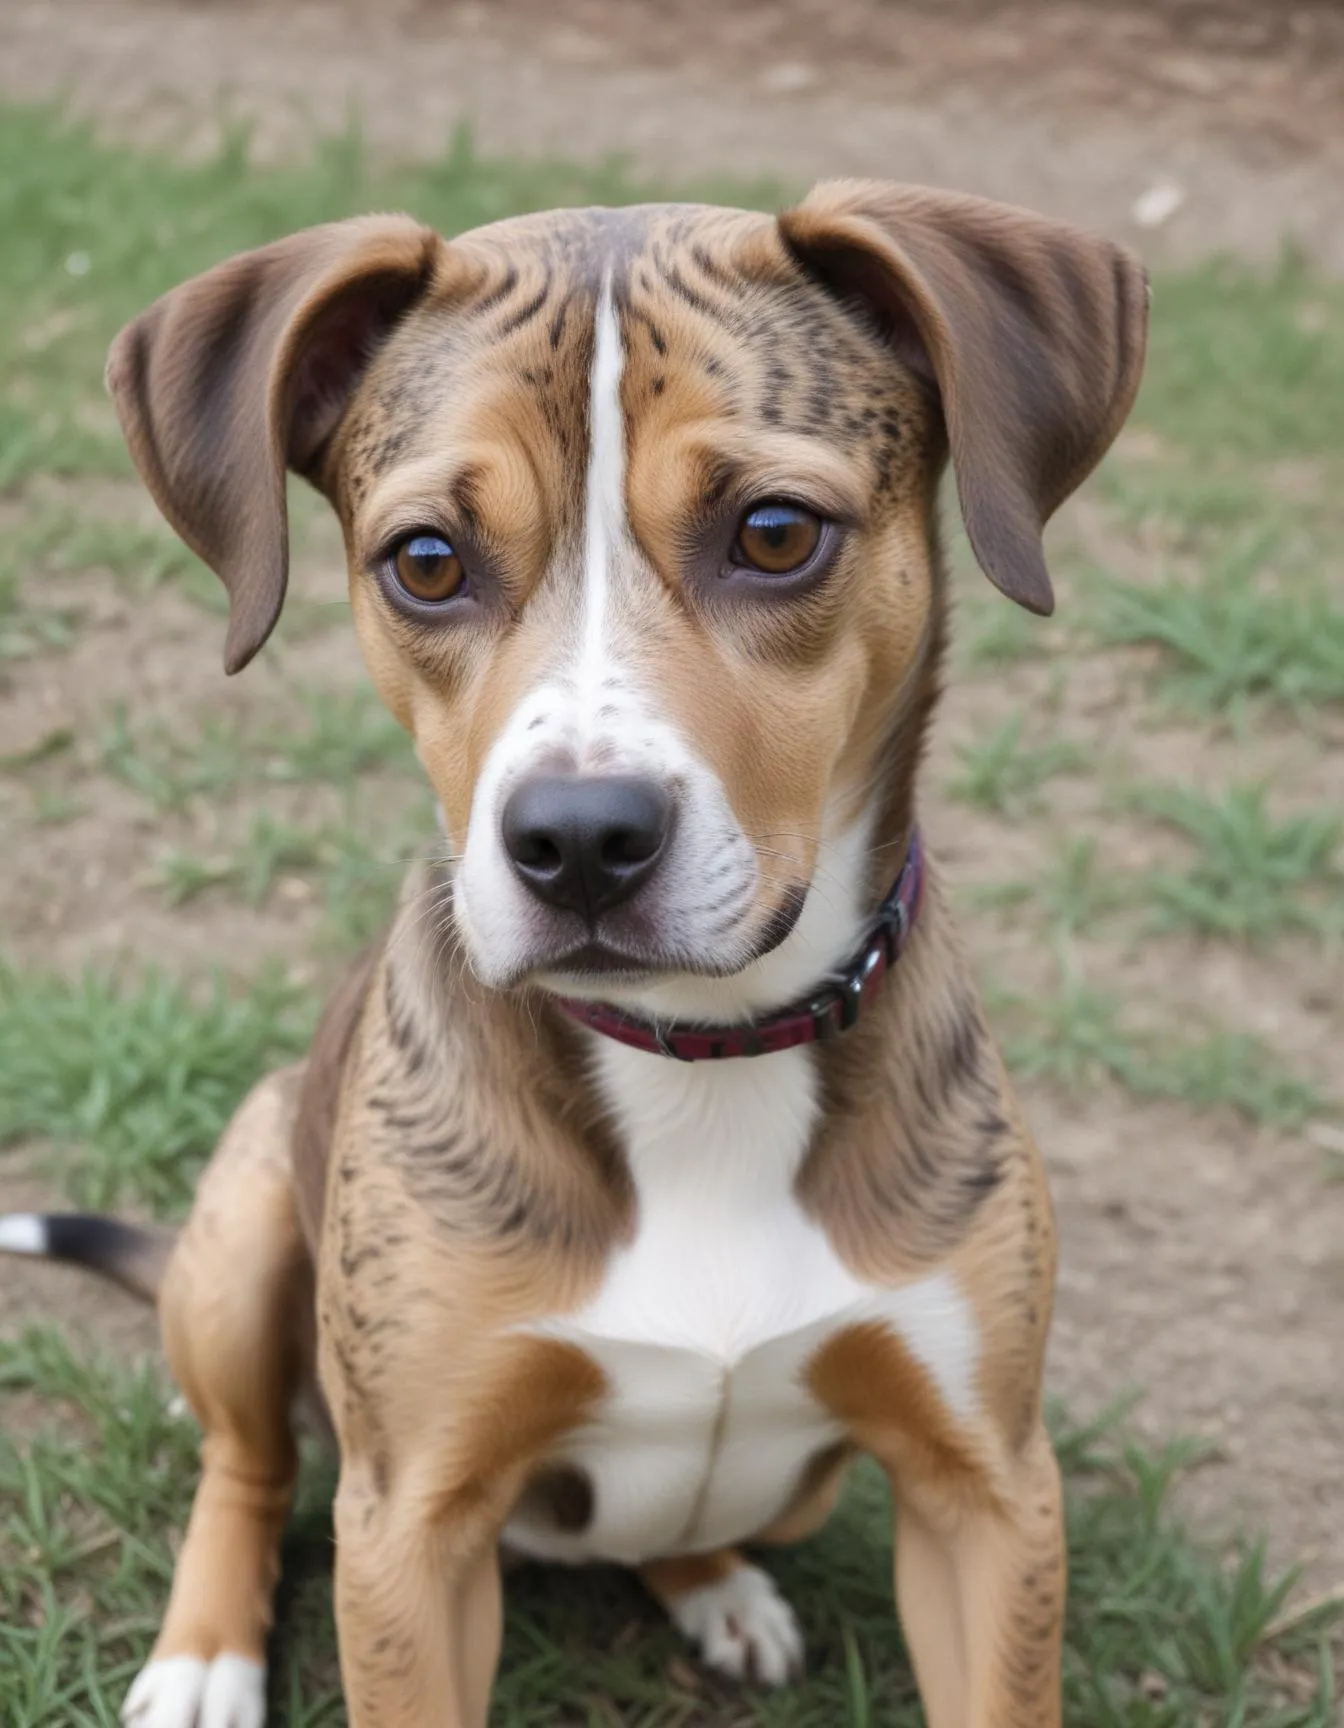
[1078, 109]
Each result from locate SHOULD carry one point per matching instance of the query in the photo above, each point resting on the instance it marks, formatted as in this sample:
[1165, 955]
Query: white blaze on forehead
[605, 529]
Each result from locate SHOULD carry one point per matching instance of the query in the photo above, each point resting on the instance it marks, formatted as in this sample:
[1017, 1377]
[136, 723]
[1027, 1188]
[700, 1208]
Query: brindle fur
[451, 1174]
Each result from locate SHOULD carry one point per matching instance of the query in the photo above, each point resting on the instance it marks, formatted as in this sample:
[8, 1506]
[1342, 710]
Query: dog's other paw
[744, 1627]
[185, 1692]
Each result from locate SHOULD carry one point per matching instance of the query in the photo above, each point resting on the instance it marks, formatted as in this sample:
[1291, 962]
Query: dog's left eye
[776, 539]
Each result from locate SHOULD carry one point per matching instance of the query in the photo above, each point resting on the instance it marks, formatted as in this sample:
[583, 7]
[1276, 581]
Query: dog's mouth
[601, 958]
[596, 959]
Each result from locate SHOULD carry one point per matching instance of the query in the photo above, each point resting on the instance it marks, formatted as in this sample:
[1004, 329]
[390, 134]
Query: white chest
[704, 1324]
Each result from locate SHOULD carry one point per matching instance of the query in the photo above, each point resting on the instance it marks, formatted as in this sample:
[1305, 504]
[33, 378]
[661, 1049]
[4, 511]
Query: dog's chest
[705, 1322]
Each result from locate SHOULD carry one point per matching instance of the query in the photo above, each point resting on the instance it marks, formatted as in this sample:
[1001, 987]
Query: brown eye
[428, 568]
[776, 539]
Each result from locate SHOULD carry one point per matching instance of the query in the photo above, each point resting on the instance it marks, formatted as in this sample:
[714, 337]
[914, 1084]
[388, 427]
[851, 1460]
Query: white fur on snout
[704, 887]
[187, 1692]
[743, 1627]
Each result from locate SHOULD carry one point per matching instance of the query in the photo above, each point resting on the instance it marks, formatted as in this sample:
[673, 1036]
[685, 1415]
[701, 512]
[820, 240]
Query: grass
[343, 735]
[361, 878]
[1253, 876]
[62, 538]
[168, 768]
[1162, 1632]
[53, 743]
[354, 867]
[347, 733]
[1072, 894]
[1234, 1070]
[1080, 1034]
[1227, 638]
[1004, 773]
[1246, 364]
[138, 1079]
[1237, 493]
[53, 808]
[25, 630]
[991, 634]
[270, 850]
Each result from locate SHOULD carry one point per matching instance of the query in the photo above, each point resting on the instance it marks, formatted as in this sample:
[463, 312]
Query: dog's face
[639, 508]
[639, 552]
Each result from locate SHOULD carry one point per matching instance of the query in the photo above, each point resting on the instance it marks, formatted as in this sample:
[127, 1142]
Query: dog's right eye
[427, 568]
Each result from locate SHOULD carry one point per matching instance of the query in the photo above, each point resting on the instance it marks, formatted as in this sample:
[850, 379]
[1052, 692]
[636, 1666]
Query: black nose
[586, 843]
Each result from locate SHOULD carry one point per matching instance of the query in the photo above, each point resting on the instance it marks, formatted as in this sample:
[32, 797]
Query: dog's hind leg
[236, 1309]
[732, 1611]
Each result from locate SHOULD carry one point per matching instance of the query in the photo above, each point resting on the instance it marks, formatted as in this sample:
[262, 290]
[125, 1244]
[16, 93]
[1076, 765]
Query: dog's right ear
[246, 371]
[1032, 333]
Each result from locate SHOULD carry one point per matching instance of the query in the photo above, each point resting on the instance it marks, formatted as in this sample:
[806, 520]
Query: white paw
[184, 1692]
[744, 1627]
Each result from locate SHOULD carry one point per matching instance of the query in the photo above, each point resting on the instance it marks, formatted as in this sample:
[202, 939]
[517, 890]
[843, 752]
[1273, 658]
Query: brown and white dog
[640, 509]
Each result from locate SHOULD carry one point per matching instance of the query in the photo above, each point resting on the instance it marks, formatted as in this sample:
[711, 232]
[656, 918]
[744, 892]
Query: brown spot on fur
[669, 1579]
[540, 1391]
[867, 1378]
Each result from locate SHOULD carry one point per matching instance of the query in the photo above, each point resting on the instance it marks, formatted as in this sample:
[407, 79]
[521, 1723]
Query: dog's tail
[133, 1255]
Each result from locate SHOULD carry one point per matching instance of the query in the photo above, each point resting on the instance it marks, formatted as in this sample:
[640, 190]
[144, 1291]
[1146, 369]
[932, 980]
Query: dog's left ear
[1032, 332]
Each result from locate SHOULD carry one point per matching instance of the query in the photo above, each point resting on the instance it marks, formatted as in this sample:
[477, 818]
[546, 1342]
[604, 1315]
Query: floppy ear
[245, 371]
[1033, 333]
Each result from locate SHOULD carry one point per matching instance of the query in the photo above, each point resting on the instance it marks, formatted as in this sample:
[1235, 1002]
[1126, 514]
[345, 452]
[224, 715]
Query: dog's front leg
[418, 1606]
[980, 1583]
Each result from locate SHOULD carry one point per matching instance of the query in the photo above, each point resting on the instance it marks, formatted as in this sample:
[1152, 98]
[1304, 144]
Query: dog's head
[640, 514]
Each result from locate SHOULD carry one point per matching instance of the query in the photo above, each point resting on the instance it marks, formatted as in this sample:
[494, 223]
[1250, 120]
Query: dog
[659, 1160]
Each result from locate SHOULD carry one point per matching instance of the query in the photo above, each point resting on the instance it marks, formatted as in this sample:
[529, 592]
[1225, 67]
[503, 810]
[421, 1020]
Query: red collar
[832, 1010]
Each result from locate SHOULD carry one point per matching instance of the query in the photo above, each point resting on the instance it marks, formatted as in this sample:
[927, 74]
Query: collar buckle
[850, 991]
[825, 1026]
